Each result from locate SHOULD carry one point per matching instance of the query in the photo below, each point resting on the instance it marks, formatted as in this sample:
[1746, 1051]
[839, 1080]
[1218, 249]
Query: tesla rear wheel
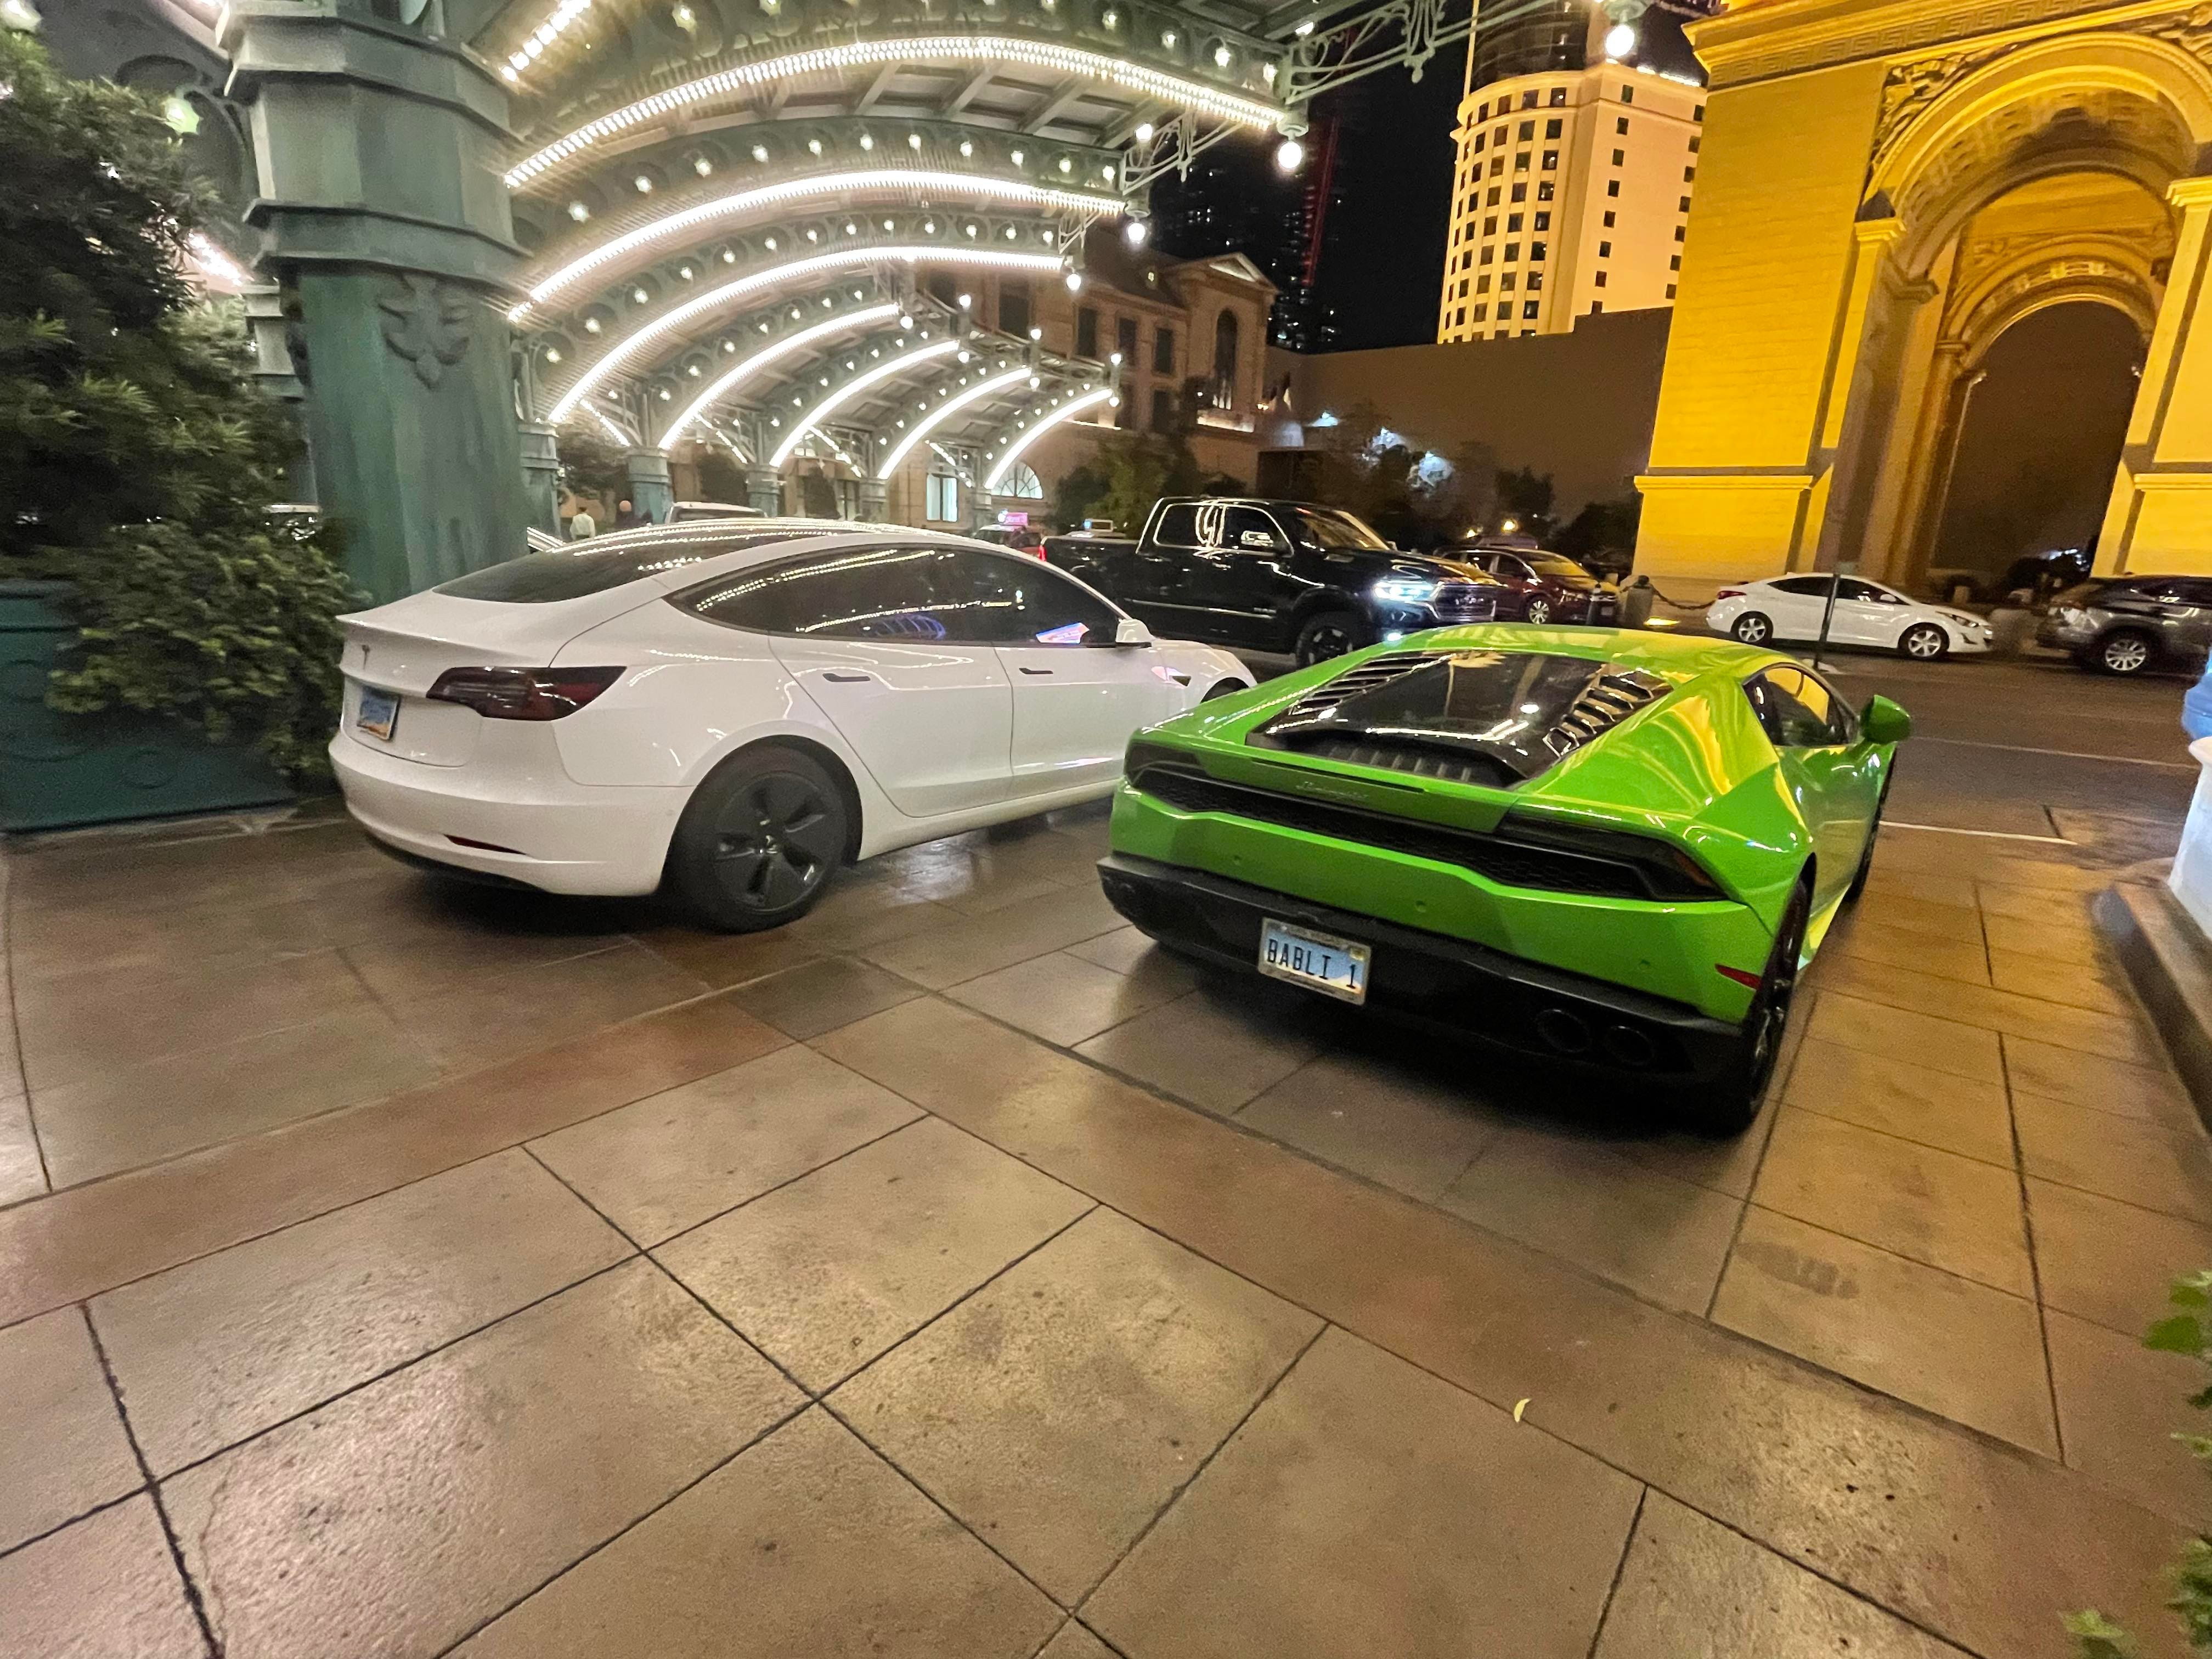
[2123, 653]
[1330, 633]
[1923, 642]
[1730, 1103]
[1751, 627]
[759, 841]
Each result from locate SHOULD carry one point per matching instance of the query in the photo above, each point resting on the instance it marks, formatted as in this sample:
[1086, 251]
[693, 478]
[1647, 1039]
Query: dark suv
[1544, 587]
[1280, 576]
[2129, 624]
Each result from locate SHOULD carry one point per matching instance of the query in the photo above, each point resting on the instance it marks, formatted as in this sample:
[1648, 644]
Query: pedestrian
[582, 525]
[2196, 708]
[626, 517]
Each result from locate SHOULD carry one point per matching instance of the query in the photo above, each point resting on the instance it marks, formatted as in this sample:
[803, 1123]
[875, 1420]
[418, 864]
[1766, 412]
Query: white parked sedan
[1867, 613]
[731, 709]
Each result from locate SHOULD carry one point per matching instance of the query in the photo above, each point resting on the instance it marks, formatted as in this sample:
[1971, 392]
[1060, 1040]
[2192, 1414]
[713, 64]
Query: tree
[1126, 477]
[591, 464]
[137, 462]
[1603, 534]
[1525, 497]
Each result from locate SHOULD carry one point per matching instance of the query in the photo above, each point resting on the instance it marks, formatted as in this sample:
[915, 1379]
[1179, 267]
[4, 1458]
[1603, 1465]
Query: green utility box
[58, 771]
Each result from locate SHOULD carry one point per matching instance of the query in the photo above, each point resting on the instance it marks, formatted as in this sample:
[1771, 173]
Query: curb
[2169, 961]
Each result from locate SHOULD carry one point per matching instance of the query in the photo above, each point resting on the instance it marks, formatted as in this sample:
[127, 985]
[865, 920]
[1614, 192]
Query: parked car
[1022, 539]
[1866, 614]
[691, 512]
[732, 710]
[1609, 848]
[2131, 624]
[1270, 576]
[1544, 587]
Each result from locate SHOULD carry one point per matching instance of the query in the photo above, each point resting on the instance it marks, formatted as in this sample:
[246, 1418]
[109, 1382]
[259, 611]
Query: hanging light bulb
[1288, 155]
[1136, 232]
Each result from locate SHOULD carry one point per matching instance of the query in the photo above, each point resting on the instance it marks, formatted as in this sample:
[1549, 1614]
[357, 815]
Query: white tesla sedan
[1867, 613]
[731, 709]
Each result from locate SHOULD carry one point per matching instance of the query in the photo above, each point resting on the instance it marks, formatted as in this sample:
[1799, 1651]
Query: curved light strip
[852, 388]
[627, 347]
[614, 431]
[937, 416]
[1088, 400]
[767, 354]
[1071, 61]
[1003, 190]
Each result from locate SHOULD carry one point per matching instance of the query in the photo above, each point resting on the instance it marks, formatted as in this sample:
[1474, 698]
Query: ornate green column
[541, 475]
[385, 225]
[650, 490]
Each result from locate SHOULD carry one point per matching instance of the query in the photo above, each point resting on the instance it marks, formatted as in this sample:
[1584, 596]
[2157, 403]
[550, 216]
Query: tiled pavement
[954, 1274]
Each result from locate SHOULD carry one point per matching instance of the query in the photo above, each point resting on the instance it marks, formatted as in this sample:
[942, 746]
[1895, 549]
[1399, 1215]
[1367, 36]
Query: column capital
[2194, 192]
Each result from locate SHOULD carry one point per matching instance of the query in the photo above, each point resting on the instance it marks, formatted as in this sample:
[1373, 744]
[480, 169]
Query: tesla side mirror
[1130, 631]
[1883, 721]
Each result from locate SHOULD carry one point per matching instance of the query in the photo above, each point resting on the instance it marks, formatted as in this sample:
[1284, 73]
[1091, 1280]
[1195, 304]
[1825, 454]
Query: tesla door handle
[1036, 671]
[849, 679]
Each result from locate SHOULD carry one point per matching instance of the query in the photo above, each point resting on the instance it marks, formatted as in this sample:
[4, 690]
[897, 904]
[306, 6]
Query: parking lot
[429, 1270]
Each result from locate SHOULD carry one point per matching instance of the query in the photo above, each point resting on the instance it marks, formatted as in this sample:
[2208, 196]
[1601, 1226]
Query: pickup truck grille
[1497, 855]
[1466, 602]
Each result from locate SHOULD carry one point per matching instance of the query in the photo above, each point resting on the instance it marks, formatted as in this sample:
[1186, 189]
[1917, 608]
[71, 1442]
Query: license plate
[1321, 962]
[377, 713]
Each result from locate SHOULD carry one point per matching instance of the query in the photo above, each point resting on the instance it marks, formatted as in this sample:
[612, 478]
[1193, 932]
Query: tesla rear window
[574, 571]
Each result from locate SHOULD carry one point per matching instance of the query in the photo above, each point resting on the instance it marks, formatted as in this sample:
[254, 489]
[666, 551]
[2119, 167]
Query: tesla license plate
[377, 713]
[1319, 962]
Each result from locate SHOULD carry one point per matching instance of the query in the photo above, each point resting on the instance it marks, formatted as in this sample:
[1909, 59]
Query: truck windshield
[1332, 529]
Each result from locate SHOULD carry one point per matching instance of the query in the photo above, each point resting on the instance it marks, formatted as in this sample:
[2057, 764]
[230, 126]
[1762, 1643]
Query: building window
[1086, 333]
[1224, 347]
[1490, 226]
[1598, 281]
[1521, 193]
[1619, 156]
[1670, 290]
[1482, 285]
[1689, 174]
[1497, 136]
[1483, 114]
[1163, 405]
[1698, 113]
[1125, 339]
[1551, 161]
[1613, 187]
[1125, 413]
[1596, 307]
[1543, 188]
[1482, 314]
[1685, 207]
[1164, 350]
[1610, 216]
[1605, 250]
[941, 498]
[1520, 161]
[1463, 287]
[1537, 250]
[1620, 126]
[1491, 200]
[1529, 310]
[1478, 143]
[1503, 333]
[1497, 165]
[1486, 252]
[1675, 264]
[1543, 221]
[1535, 281]
[1682, 233]
[1527, 131]
[1528, 99]
[1628, 95]
[1513, 222]
[1694, 143]
[1507, 282]
[1014, 307]
[1559, 94]
[1512, 251]
[1551, 127]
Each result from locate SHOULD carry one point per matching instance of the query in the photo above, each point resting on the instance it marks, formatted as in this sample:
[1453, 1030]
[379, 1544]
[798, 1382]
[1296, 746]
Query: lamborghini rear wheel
[1730, 1103]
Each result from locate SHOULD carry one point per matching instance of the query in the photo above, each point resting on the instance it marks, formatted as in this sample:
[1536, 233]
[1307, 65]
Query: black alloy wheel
[1330, 633]
[759, 841]
[1923, 642]
[1539, 611]
[1729, 1104]
[2125, 651]
[1751, 627]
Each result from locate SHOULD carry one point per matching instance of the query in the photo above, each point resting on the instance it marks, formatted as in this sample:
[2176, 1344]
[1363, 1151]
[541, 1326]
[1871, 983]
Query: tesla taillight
[523, 694]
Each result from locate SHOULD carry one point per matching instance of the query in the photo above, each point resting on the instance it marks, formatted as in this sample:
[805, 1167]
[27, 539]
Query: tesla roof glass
[602, 562]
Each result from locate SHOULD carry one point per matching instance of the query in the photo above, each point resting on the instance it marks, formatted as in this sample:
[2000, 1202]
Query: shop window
[941, 498]
[1164, 347]
[1086, 333]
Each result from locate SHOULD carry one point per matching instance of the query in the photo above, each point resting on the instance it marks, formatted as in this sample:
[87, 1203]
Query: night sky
[1382, 248]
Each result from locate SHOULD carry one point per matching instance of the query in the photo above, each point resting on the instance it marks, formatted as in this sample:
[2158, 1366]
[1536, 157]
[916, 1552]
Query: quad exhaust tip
[1568, 1033]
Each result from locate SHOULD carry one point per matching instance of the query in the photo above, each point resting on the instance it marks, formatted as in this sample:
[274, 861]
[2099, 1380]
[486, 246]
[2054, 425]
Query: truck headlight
[1405, 591]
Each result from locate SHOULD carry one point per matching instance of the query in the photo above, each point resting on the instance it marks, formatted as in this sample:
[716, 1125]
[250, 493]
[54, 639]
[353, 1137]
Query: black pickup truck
[1280, 576]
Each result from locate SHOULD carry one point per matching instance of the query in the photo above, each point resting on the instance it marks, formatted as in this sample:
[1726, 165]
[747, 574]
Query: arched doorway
[2037, 435]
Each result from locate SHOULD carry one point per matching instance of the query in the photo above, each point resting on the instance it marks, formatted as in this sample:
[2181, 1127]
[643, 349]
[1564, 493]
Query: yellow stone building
[1886, 188]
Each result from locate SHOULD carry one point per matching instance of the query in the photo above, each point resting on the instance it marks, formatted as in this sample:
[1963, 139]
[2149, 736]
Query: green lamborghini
[1616, 848]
